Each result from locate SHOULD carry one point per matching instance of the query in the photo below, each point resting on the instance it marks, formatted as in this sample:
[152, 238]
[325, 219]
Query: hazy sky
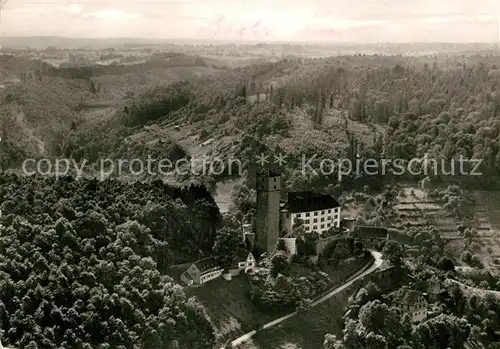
[333, 20]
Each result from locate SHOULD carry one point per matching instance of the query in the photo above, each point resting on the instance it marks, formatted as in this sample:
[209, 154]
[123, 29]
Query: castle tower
[267, 225]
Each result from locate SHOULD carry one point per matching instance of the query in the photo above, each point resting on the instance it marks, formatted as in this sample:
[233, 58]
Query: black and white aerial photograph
[249, 174]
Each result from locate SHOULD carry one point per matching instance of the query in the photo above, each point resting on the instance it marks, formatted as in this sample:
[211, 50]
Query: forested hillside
[82, 263]
[444, 106]
[44, 108]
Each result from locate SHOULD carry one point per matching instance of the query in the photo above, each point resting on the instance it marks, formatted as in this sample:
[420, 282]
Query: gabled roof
[434, 285]
[307, 201]
[236, 262]
[243, 255]
[407, 296]
[206, 264]
[186, 275]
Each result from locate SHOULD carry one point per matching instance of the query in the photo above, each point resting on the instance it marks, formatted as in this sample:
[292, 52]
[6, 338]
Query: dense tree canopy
[82, 263]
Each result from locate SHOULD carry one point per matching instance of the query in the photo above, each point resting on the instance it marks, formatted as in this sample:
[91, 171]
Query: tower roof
[268, 173]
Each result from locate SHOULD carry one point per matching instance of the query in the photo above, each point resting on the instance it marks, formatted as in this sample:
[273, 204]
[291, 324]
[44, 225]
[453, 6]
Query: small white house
[202, 271]
[414, 303]
[245, 263]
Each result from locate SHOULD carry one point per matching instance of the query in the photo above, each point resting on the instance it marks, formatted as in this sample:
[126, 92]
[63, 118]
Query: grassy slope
[419, 211]
[488, 226]
[469, 291]
[332, 134]
[306, 330]
[229, 306]
[116, 86]
[233, 314]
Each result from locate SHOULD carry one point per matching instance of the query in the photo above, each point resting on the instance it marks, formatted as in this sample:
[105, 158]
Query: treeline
[85, 72]
[36, 69]
[159, 102]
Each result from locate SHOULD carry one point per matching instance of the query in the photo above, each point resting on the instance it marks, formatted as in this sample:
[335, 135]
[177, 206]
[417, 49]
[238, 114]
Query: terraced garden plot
[488, 208]
[419, 211]
[418, 195]
[430, 206]
[488, 226]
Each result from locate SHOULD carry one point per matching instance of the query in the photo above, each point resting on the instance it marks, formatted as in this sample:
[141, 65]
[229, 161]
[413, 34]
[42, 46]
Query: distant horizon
[248, 41]
[356, 21]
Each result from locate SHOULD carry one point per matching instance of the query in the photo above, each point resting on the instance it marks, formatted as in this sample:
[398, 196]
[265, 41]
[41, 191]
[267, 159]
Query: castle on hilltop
[317, 212]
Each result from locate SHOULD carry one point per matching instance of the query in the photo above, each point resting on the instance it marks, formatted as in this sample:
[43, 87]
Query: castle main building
[318, 212]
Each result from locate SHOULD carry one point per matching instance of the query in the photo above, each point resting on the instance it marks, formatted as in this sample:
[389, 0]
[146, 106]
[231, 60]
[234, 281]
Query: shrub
[466, 257]
[476, 262]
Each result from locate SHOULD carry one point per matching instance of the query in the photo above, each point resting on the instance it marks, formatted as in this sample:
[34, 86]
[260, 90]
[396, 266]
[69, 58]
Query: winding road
[359, 275]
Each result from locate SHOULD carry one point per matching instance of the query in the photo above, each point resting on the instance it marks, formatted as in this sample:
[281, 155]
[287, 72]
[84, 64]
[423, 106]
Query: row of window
[209, 275]
[315, 227]
[323, 219]
[275, 186]
[308, 214]
[418, 313]
[244, 264]
[275, 183]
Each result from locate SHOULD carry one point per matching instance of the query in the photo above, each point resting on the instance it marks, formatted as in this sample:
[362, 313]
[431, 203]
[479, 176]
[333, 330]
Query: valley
[111, 254]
